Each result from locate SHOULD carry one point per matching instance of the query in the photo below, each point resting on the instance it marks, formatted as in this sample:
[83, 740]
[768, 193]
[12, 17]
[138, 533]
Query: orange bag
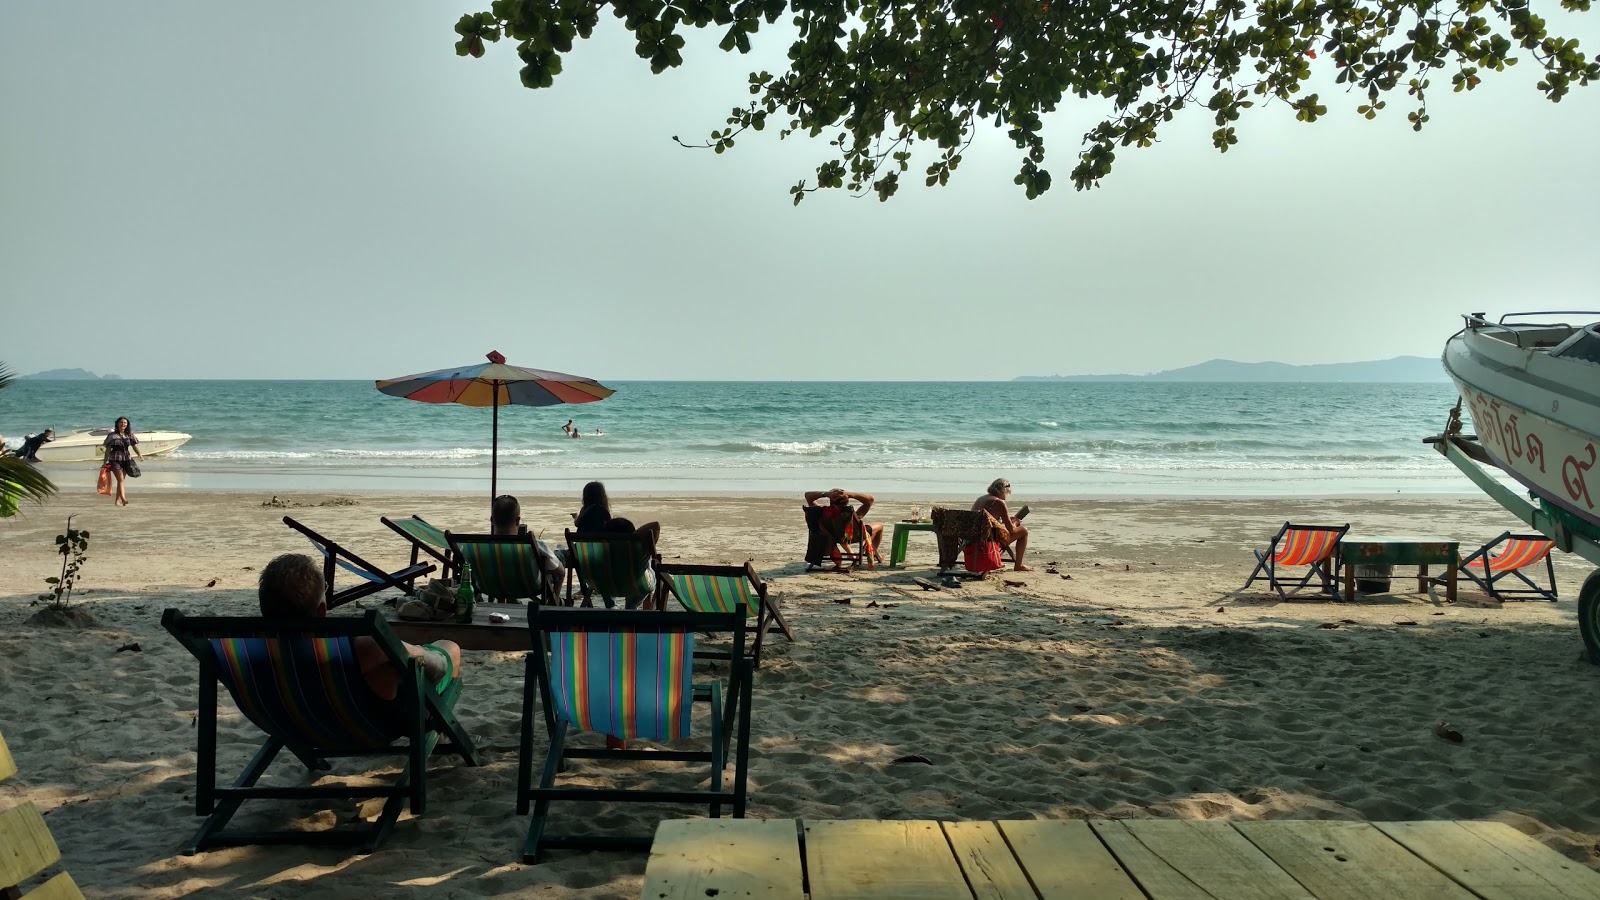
[104, 486]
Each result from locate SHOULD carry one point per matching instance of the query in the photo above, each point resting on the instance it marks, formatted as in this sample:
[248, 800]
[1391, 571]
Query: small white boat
[89, 446]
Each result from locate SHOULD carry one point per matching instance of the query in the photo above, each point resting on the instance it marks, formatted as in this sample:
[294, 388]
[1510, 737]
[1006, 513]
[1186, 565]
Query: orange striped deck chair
[1314, 546]
[1519, 552]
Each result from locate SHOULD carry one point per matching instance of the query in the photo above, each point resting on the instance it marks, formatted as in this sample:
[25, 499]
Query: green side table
[1422, 552]
[902, 534]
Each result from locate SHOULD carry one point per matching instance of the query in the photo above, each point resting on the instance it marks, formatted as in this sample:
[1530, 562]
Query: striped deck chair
[374, 578]
[300, 682]
[1520, 552]
[725, 589]
[628, 675]
[505, 567]
[26, 849]
[1313, 546]
[425, 538]
[615, 566]
[955, 529]
[846, 550]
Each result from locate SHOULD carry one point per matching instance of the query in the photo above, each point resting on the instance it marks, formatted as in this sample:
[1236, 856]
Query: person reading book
[994, 503]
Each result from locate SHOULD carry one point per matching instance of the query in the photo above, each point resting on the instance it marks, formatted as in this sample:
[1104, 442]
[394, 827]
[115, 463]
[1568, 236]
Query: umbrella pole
[494, 453]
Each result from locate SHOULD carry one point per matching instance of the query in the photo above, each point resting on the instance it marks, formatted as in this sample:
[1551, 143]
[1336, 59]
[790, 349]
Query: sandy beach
[1131, 682]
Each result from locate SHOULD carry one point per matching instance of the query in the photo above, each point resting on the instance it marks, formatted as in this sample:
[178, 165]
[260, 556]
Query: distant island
[71, 375]
[1401, 368]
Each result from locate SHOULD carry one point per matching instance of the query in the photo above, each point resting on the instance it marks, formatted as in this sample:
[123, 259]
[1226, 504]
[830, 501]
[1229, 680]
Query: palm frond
[18, 478]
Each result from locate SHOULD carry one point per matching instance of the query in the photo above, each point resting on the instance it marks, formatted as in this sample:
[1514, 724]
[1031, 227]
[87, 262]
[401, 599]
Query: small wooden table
[902, 534]
[1124, 859]
[1422, 552]
[480, 635]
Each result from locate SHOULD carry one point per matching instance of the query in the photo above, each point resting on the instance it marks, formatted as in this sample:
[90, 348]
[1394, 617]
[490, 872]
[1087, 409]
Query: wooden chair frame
[767, 615]
[27, 849]
[428, 714]
[644, 536]
[449, 565]
[547, 590]
[730, 726]
[1489, 581]
[844, 555]
[1325, 570]
[375, 577]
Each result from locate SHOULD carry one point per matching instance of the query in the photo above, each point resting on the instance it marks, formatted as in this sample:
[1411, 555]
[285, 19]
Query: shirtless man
[994, 503]
[839, 499]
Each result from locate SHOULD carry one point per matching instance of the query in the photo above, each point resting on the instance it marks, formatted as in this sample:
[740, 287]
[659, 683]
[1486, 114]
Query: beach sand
[1139, 686]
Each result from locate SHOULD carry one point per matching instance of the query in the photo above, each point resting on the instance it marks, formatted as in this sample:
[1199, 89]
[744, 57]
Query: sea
[904, 439]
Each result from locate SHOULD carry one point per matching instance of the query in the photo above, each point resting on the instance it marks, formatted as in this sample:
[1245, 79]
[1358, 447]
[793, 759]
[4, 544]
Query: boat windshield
[1584, 345]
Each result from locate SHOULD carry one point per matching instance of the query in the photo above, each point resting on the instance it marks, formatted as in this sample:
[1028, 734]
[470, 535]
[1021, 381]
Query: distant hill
[1401, 368]
[71, 375]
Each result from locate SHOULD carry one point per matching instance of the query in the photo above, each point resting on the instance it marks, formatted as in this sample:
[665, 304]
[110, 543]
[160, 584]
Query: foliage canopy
[19, 479]
[884, 81]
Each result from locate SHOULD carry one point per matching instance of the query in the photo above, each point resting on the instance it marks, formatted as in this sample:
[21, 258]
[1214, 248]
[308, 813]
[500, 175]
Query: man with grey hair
[1016, 537]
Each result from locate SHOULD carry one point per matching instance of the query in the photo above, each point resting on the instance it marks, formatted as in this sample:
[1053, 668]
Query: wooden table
[1422, 552]
[902, 535]
[1128, 859]
[480, 635]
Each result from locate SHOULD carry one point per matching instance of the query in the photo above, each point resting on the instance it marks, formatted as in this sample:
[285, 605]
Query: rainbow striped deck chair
[505, 567]
[27, 849]
[425, 538]
[373, 578]
[299, 681]
[1314, 546]
[615, 566]
[628, 675]
[1520, 552]
[725, 589]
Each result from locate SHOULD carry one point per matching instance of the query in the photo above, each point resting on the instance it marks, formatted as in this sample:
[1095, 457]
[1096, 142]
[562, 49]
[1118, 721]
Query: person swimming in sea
[567, 427]
[576, 433]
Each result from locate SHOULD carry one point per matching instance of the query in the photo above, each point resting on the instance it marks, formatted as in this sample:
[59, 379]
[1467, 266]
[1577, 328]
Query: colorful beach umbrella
[496, 384]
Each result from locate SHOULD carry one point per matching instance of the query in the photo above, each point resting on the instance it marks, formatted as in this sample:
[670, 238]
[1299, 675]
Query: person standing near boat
[121, 446]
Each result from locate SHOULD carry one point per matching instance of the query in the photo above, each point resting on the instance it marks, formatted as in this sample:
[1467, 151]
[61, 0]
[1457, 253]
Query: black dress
[119, 451]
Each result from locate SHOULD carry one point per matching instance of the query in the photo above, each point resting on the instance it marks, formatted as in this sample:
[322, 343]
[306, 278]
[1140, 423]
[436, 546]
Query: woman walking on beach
[121, 446]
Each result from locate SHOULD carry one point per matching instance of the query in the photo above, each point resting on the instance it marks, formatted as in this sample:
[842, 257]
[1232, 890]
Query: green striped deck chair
[615, 566]
[373, 578]
[505, 567]
[300, 681]
[425, 538]
[629, 675]
[724, 589]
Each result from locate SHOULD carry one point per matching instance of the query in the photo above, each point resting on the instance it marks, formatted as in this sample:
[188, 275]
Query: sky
[312, 190]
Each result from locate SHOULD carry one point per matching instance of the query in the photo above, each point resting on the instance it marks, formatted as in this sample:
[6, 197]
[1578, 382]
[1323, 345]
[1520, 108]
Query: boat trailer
[1470, 457]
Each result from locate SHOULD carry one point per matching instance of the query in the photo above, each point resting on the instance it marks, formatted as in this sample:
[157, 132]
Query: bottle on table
[466, 598]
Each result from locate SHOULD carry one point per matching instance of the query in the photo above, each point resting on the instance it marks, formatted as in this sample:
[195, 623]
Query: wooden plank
[992, 872]
[1495, 861]
[887, 860]
[61, 887]
[8, 766]
[700, 858]
[1349, 861]
[1066, 861]
[26, 848]
[1196, 859]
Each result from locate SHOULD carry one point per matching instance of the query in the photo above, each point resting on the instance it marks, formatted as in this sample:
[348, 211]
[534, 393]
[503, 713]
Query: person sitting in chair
[839, 508]
[994, 503]
[505, 517]
[291, 587]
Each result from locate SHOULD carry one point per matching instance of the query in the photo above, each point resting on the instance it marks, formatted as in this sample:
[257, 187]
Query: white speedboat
[1531, 383]
[89, 446]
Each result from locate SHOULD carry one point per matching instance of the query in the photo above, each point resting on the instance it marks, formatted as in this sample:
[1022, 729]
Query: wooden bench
[26, 848]
[1125, 859]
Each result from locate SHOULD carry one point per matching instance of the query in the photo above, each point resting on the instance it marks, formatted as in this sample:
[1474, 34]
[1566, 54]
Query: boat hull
[84, 447]
[1527, 425]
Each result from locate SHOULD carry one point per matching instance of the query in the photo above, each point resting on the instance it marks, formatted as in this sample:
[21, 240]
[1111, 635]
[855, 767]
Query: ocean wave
[452, 454]
[1049, 424]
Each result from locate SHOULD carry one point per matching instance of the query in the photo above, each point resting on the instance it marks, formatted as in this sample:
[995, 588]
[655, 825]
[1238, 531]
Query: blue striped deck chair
[299, 681]
[725, 589]
[425, 538]
[373, 578]
[505, 567]
[628, 675]
[615, 566]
